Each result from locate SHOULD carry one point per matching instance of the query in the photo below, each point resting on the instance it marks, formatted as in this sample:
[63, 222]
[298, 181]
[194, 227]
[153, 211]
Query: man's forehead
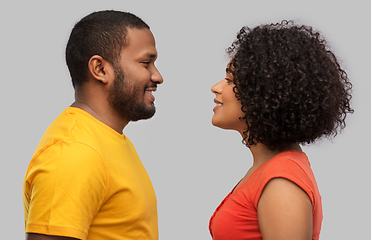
[139, 35]
[142, 41]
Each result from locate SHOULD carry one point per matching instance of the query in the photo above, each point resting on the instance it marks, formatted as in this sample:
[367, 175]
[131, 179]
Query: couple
[283, 88]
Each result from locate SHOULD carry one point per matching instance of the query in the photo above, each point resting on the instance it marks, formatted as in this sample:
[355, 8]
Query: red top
[236, 217]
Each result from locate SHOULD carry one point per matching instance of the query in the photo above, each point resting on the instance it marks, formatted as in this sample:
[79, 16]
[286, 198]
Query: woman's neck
[261, 153]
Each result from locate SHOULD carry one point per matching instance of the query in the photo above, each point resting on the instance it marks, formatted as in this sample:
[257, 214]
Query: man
[85, 180]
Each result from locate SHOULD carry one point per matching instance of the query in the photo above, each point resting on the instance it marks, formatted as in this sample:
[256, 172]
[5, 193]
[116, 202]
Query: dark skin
[101, 72]
[34, 236]
[284, 209]
[92, 97]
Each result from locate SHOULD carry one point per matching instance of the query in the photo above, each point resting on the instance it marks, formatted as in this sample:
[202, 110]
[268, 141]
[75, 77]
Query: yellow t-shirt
[86, 181]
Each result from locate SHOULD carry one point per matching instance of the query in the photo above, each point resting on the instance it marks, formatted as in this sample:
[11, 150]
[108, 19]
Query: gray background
[192, 164]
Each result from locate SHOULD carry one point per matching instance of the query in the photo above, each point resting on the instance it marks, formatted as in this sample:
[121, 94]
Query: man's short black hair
[100, 33]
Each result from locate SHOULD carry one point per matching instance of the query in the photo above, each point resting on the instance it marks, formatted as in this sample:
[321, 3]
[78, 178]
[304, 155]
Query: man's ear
[100, 69]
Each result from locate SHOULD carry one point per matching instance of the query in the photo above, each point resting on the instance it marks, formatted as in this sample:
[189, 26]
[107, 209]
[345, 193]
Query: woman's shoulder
[287, 162]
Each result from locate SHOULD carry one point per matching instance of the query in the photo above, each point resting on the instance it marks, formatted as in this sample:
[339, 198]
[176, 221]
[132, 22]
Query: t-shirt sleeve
[288, 169]
[66, 187]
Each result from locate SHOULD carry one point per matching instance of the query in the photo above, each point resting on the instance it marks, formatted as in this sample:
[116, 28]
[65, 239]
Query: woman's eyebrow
[151, 55]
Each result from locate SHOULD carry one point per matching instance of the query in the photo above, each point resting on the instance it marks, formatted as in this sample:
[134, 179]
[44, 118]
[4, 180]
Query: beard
[124, 97]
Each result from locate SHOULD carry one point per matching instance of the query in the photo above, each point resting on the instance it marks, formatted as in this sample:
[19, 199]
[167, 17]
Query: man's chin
[142, 114]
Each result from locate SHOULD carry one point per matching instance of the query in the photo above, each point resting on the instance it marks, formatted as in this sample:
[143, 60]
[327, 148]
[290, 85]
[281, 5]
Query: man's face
[136, 77]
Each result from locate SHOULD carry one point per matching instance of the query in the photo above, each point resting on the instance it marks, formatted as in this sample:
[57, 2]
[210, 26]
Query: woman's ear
[100, 69]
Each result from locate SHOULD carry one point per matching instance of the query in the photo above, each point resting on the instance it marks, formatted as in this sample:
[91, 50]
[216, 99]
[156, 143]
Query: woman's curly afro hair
[291, 86]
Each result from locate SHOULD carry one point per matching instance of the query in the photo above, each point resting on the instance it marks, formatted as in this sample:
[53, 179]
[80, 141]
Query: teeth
[218, 104]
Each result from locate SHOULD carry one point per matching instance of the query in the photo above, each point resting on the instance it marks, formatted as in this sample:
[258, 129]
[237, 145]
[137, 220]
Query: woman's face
[227, 112]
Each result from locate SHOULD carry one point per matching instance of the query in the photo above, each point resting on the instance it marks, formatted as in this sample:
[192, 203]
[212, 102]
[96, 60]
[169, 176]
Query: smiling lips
[218, 105]
[149, 91]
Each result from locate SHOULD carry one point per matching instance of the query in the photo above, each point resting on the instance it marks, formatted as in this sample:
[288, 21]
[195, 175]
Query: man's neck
[105, 115]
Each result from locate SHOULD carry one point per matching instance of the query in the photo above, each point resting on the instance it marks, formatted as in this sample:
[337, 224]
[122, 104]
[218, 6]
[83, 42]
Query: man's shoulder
[76, 132]
[74, 124]
[59, 129]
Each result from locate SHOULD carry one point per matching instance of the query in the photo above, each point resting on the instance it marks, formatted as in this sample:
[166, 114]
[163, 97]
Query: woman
[283, 88]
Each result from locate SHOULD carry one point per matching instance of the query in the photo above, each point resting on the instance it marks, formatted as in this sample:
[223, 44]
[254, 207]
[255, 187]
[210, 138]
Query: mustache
[153, 85]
